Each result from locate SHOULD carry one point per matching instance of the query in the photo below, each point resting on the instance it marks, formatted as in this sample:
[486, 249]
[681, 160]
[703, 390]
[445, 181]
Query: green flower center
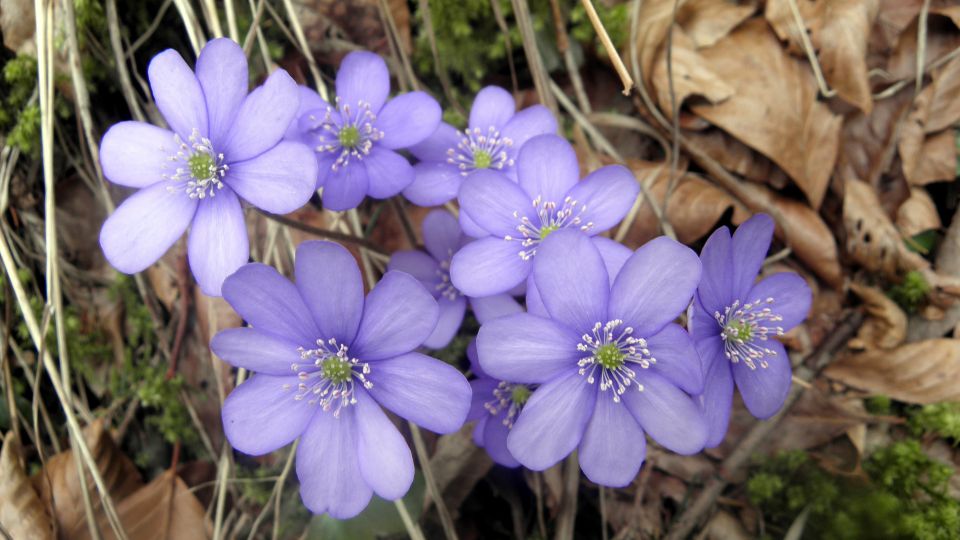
[520, 394]
[349, 137]
[336, 370]
[739, 330]
[609, 356]
[202, 166]
[547, 229]
[482, 159]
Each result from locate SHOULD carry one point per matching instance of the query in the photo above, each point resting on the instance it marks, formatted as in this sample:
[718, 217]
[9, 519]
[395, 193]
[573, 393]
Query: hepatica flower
[326, 361]
[610, 363]
[442, 238]
[518, 216]
[494, 135]
[223, 146]
[735, 323]
[495, 406]
[356, 136]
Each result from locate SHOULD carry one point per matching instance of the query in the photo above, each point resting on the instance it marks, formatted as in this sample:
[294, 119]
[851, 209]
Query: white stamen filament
[503, 400]
[315, 383]
[445, 287]
[617, 354]
[550, 219]
[744, 328]
[195, 183]
[479, 150]
[330, 133]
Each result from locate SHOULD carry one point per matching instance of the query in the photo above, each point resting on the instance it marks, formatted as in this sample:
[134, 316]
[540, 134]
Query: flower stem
[412, 529]
[448, 527]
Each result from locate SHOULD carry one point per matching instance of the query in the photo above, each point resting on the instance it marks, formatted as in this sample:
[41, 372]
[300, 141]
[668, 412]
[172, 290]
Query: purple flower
[442, 238]
[734, 322]
[326, 361]
[517, 216]
[494, 136]
[355, 138]
[611, 363]
[495, 406]
[222, 146]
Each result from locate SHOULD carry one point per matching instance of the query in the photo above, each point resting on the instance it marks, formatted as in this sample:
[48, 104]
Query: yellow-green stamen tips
[482, 159]
[202, 166]
[744, 328]
[349, 137]
[328, 376]
[613, 357]
[739, 330]
[547, 229]
[336, 370]
[478, 149]
[609, 356]
[520, 394]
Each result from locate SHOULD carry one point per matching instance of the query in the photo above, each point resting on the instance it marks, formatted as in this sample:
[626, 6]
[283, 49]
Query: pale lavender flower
[326, 360]
[223, 146]
[735, 323]
[356, 137]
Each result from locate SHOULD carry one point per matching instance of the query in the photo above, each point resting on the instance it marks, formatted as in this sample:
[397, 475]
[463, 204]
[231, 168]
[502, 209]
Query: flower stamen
[480, 150]
[616, 354]
[510, 397]
[200, 170]
[329, 378]
[745, 327]
[344, 130]
[549, 219]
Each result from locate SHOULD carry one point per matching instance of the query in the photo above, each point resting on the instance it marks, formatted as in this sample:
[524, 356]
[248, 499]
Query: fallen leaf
[942, 38]
[842, 41]
[739, 158]
[17, 26]
[917, 214]
[22, 514]
[780, 17]
[723, 526]
[872, 239]
[708, 21]
[934, 161]
[692, 75]
[654, 20]
[886, 325]
[947, 262]
[923, 372]
[458, 465]
[775, 108]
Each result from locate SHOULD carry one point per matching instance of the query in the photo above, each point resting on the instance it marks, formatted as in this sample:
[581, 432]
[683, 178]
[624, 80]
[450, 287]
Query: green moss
[911, 293]
[878, 404]
[940, 418]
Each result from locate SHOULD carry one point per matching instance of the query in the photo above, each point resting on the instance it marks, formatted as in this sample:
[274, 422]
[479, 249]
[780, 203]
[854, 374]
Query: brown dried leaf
[886, 326]
[655, 18]
[723, 526]
[708, 21]
[22, 515]
[917, 214]
[942, 38]
[739, 158]
[922, 372]
[17, 26]
[948, 262]
[935, 160]
[164, 509]
[842, 41]
[692, 75]
[872, 239]
[458, 465]
[775, 108]
[781, 19]
[61, 488]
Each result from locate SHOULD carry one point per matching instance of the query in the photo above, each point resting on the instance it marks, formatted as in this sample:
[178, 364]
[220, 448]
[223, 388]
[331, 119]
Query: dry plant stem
[305, 48]
[603, 513]
[329, 235]
[126, 87]
[939, 62]
[353, 217]
[541, 80]
[505, 30]
[223, 472]
[567, 516]
[810, 51]
[449, 529]
[740, 456]
[397, 203]
[538, 493]
[254, 30]
[213, 18]
[438, 68]
[194, 32]
[412, 529]
[87, 505]
[73, 425]
[278, 487]
[231, 11]
[921, 45]
[563, 45]
[604, 145]
[403, 83]
[674, 116]
[386, 15]
[609, 46]
[275, 493]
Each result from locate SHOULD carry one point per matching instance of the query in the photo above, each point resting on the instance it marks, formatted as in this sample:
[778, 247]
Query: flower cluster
[580, 348]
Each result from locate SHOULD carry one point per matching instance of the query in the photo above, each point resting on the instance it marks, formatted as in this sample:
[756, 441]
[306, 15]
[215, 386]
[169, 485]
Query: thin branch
[609, 46]
[809, 50]
[449, 529]
[324, 233]
[541, 80]
[305, 48]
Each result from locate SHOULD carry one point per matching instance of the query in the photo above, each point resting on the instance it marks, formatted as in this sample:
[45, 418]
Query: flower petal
[441, 234]
[572, 280]
[655, 285]
[256, 350]
[328, 466]
[614, 255]
[613, 446]
[488, 266]
[398, 316]
[222, 72]
[764, 389]
[363, 78]
[408, 119]
[470, 227]
[269, 302]
[434, 183]
[668, 415]
[677, 359]
[217, 245]
[716, 290]
[419, 265]
[717, 397]
[387, 172]
[448, 322]
[309, 101]
[548, 168]
[528, 123]
[495, 434]
[552, 422]
[260, 415]
[136, 154]
[434, 148]
[279, 180]
[605, 195]
[345, 188]
[751, 241]
[424, 390]
[791, 298]
[145, 226]
[526, 348]
[493, 201]
[488, 308]
[492, 107]
[263, 118]
[534, 301]
[385, 460]
[330, 284]
[700, 323]
[481, 392]
[177, 93]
